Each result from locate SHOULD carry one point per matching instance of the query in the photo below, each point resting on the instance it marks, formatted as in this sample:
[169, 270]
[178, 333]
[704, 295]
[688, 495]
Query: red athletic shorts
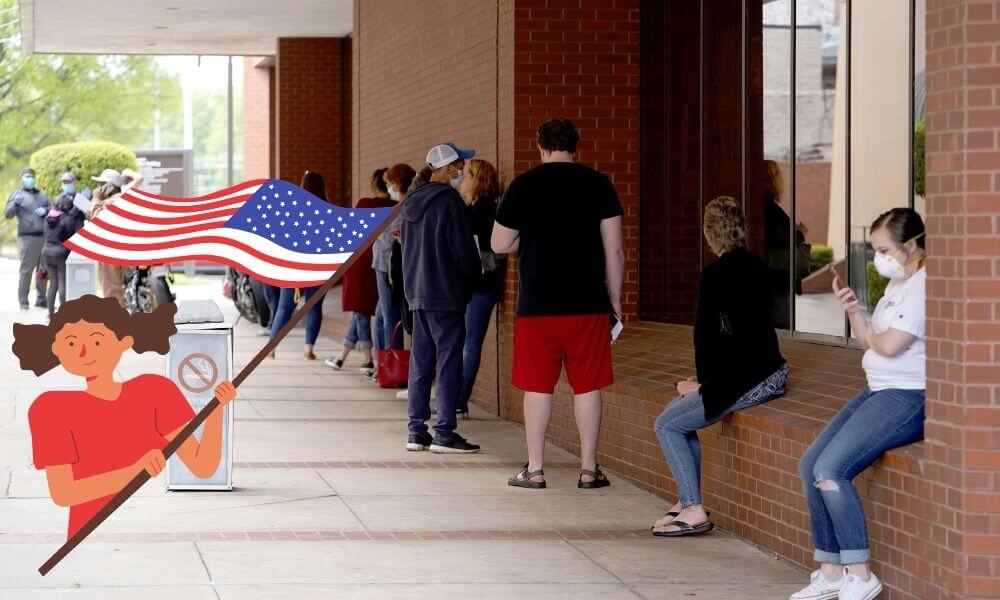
[542, 344]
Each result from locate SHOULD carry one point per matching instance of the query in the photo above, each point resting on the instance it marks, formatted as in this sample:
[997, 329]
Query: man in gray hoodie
[440, 264]
[29, 205]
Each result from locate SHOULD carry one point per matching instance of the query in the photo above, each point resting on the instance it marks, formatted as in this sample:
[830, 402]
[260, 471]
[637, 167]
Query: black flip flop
[672, 513]
[523, 479]
[685, 529]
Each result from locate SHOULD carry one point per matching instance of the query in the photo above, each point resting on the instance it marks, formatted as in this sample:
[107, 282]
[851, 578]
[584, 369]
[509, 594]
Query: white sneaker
[819, 588]
[855, 589]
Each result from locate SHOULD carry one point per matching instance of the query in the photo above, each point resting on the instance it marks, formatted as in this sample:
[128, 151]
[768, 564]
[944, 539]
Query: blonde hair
[774, 185]
[485, 183]
[724, 225]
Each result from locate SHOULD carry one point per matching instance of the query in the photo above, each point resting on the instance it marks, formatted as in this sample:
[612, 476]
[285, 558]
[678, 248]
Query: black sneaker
[456, 445]
[334, 362]
[418, 442]
[367, 369]
[41, 303]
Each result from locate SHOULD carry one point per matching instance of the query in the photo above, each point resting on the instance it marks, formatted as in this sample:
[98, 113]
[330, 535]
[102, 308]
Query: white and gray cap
[110, 176]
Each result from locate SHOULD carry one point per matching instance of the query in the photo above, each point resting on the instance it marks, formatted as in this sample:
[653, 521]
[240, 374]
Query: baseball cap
[110, 176]
[67, 177]
[447, 153]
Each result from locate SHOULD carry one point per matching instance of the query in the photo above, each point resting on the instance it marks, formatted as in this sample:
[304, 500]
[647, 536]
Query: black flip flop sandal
[685, 529]
[523, 479]
[675, 514]
[672, 513]
[600, 479]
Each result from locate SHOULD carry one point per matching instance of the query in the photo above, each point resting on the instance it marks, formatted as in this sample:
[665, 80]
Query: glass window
[776, 172]
[820, 109]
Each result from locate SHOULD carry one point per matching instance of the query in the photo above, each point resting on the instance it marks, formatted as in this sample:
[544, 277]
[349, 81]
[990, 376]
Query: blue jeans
[286, 306]
[438, 338]
[360, 332]
[271, 294]
[477, 321]
[870, 424]
[386, 315]
[677, 429]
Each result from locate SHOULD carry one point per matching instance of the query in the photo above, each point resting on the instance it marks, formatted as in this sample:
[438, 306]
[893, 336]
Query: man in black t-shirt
[564, 220]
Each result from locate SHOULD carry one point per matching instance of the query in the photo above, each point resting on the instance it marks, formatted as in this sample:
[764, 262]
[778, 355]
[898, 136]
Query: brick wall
[258, 118]
[313, 107]
[963, 349]
[578, 59]
[430, 78]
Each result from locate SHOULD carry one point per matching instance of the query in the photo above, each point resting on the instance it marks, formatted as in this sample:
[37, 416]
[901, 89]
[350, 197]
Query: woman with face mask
[886, 415]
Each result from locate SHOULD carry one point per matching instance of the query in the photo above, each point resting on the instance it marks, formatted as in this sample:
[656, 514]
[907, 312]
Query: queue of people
[44, 224]
[438, 271]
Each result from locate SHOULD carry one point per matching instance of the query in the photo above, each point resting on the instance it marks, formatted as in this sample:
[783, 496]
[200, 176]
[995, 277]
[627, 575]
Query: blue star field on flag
[287, 215]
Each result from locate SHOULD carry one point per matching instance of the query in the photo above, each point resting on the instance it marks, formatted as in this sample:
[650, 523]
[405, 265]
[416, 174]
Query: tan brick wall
[424, 76]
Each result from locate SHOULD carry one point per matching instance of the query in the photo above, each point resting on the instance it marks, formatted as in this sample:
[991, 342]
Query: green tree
[48, 99]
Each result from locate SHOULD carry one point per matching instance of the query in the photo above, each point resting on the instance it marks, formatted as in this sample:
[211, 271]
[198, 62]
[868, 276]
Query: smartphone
[616, 327]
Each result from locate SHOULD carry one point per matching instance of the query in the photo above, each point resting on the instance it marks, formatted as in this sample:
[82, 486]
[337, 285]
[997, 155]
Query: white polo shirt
[903, 307]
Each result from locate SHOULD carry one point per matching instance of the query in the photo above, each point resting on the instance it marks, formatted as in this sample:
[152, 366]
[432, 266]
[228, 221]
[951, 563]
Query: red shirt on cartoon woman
[92, 442]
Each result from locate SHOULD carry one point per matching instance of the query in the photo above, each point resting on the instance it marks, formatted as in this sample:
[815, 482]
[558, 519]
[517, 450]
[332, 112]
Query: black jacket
[440, 259]
[735, 347]
[58, 230]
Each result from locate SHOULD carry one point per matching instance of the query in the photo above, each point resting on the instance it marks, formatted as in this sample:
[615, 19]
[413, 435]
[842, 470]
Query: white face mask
[888, 266]
[458, 180]
[394, 194]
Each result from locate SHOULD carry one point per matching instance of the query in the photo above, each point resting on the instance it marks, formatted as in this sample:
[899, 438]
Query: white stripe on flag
[239, 190]
[250, 239]
[213, 252]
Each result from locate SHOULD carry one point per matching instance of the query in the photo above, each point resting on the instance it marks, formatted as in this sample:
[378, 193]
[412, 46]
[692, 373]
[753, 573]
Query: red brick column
[313, 107]
[963, 346]
[258, 118]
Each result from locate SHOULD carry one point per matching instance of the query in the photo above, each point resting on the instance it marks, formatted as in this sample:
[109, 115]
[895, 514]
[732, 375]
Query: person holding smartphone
[736, 356]
[887, 414]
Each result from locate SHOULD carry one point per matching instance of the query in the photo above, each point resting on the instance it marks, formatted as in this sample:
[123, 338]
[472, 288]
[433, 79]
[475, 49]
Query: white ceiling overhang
[224, 27]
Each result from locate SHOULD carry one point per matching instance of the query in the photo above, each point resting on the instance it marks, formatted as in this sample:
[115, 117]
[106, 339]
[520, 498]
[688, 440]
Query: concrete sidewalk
[329, 504]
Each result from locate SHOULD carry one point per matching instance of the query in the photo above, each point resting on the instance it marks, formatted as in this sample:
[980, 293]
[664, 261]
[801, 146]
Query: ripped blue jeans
[870, 424]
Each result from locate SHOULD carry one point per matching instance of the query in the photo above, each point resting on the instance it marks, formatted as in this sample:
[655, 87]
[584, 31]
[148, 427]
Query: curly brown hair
[557, 134]
[724, 225]
[151, 331]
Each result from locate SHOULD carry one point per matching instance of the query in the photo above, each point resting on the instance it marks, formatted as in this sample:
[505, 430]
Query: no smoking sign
[197, 372]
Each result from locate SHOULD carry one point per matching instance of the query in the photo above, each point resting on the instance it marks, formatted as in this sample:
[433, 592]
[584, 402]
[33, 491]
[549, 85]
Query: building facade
[680, 102]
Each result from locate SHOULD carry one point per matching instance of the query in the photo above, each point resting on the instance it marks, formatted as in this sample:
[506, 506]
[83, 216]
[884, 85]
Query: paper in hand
[81, 202]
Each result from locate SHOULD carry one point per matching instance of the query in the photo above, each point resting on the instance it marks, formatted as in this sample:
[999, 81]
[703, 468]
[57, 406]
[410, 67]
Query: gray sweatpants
[29, 251]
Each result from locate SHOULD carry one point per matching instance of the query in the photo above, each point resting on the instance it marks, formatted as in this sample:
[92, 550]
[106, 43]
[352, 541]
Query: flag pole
[203, 414]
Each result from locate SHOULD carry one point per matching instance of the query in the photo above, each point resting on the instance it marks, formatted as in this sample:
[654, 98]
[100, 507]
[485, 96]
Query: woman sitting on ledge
[736, 356]
[889, 414]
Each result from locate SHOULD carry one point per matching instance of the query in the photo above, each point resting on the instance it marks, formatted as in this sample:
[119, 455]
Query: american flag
[273, 230]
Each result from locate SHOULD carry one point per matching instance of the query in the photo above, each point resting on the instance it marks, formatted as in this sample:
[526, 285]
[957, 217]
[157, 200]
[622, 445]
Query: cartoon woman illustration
[92, 442]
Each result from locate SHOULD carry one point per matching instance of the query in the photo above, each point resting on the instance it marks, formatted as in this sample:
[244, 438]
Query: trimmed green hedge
[876, 285]
[85, 159]
[820, 256]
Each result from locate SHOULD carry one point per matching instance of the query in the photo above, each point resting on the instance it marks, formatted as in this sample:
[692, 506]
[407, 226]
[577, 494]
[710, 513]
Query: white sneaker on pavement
[855, 589]
[819, 588]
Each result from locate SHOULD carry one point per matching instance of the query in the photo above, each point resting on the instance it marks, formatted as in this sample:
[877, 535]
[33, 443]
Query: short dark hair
[557, 134]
